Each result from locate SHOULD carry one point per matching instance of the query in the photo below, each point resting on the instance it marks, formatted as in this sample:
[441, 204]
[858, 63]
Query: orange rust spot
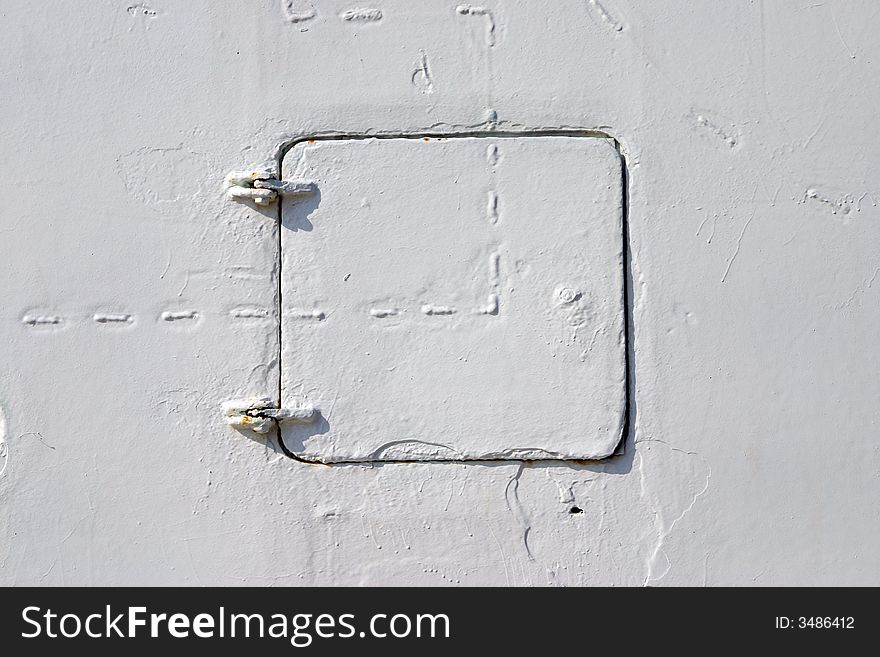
[311, 141]
[426, 139]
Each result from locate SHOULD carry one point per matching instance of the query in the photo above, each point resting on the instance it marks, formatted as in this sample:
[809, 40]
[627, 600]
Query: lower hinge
[259, 415]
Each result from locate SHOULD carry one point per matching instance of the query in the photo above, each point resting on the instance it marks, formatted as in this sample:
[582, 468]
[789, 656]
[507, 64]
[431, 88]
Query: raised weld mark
[491, 307]
[42, 320]
[470, 10]
[173, 316]
[492, 207]
[492, 155]
[428, 309]
[4, 446]
[249, 313]
[384, 312]
[294, 16]
[421, 77]
[307, 314]
[113, 318]
[605, 17]
[361, 15]
[494, 269]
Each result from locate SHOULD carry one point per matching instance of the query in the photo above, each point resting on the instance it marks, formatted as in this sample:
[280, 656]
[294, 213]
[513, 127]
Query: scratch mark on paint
[605, 16]
[113, 318]
[511, 496]
[249, 313]
[175, 315]
[665, 529]
[589, 348]
[851, 54]
[703, 223]
[38, 436]
[185, 284]
[295, 16]
[859, 202]
[470, 10]
[42, 320]
[492, 207]
[501, 552]
[861, 289]
[384, 312]
[421, 77]
[361, 15]
[738, 246]
[428, 309]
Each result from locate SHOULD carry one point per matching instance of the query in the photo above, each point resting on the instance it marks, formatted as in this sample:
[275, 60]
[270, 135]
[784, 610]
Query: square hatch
[454, 298]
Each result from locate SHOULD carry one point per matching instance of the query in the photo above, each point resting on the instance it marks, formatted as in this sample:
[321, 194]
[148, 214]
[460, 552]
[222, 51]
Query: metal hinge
[262, 187]
[259, 415]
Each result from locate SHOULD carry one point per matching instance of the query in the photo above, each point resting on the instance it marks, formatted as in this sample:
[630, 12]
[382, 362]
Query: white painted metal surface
[137, 298]
[454, 298]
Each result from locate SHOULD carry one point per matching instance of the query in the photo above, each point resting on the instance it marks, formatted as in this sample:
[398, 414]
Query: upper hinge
[262, 187]
[258, 415]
